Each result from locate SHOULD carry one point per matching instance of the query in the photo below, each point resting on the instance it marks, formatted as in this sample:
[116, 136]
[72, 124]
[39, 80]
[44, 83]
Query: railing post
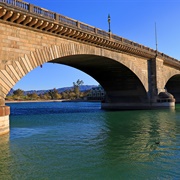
[57, 17]
[95, 30]
[110, 35]
[31, 8]
[14, 3]
[78, 25]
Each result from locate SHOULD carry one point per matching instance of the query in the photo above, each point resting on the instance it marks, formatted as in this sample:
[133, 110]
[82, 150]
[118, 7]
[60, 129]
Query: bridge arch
[168, 75]
[173, 86]
[66, 53]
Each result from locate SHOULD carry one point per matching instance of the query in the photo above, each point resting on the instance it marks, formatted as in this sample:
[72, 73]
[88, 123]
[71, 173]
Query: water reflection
[5, 159]
[82, 142]
[142, 137]
[140, 131]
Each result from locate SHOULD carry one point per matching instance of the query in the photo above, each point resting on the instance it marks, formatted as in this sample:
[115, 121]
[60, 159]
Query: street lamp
[109, 22]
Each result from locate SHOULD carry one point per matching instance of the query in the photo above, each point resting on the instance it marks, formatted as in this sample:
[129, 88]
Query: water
[55, 140]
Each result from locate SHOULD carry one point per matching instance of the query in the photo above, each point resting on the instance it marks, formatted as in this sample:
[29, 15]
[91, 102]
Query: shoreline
[28, 101]
[65, 100]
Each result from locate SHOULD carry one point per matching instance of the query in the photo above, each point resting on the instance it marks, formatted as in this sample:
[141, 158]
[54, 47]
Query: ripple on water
[80, 141]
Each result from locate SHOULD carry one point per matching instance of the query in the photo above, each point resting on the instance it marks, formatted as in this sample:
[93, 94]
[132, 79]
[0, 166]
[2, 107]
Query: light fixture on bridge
[109, 22]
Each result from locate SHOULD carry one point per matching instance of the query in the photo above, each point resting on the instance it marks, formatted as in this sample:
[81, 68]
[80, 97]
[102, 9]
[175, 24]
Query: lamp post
[109, 22]
[156, 39]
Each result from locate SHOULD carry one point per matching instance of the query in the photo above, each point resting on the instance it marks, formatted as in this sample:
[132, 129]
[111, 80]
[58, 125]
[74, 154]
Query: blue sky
[131, 19]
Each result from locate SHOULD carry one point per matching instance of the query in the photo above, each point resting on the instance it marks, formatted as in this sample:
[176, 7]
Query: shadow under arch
[173, 86]
[119, 82]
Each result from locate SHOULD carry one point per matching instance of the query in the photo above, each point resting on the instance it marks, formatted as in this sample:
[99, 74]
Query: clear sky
[131, 19]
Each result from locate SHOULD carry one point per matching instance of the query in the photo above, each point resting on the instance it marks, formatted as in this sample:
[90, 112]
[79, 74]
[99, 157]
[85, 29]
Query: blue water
[69, 140]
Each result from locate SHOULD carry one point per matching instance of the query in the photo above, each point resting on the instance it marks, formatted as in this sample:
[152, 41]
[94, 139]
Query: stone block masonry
[4, 119]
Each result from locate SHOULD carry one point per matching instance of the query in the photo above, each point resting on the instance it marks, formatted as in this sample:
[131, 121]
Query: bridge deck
[23, 13]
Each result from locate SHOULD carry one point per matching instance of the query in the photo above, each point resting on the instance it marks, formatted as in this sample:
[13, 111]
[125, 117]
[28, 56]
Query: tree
[65, 95]
[72, 95]
[76, 85]
[32, 96]
[59, 96]
[18, 92]
[46, 96]
[54, 94]
[41, 96]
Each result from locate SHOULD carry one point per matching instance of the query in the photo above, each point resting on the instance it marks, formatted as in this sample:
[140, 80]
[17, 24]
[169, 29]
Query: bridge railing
[16, 3]
[43, 12]
[65, 20]
[87, 27]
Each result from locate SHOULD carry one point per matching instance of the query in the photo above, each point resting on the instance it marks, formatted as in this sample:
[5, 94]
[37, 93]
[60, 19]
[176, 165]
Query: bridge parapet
[17, 3]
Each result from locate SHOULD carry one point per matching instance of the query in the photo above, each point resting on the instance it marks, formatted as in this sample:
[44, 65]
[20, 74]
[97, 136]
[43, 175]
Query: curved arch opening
[119, 82]
[58, 84]
[173, 86]
[51, 76]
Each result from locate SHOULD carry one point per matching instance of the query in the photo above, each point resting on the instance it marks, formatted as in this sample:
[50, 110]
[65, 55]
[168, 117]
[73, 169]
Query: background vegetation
[72, 94]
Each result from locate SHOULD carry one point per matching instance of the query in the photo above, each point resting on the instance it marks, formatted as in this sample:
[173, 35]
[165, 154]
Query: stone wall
[4, 119]
[23, 49]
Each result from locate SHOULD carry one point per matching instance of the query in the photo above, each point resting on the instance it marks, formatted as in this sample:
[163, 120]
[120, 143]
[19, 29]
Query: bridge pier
[4, 117]
[163, 100]
[137, 106]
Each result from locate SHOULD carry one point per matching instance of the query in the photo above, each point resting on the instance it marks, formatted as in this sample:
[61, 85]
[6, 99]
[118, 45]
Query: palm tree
[76, 85]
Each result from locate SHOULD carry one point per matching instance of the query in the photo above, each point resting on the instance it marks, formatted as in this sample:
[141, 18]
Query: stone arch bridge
[133, 76]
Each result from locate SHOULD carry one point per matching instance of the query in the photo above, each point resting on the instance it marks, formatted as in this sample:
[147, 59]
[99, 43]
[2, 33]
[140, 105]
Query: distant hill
[60, 90]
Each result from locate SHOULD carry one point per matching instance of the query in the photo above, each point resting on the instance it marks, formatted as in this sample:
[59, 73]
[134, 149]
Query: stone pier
[138, 106]
[4, 118]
